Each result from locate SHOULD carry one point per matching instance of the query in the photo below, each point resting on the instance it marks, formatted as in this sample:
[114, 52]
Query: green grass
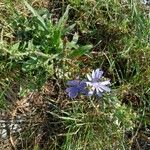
[41, 48]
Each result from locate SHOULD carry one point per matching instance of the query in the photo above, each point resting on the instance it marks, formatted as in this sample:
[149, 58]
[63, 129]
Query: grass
[44, 44]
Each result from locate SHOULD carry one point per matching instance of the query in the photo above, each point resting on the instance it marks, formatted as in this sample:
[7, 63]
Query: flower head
[96, 85]
[76, 87]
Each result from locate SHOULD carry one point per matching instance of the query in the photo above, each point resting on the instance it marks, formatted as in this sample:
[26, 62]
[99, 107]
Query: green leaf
[63, 19]
[73, 44]
[30, 64]
[34, 12]
[14, 48]
[81, 51]
[68, 29]
[75, 38]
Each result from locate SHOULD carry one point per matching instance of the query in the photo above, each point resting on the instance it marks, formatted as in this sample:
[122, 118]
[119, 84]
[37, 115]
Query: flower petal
[90, 93]
[99, 89]
[93, 74]
[82, 87]
[83, 84]
[100, 74]
[89, 77]
[105, 82]
[72, 92]
[105, 88]
[96, 73]
[73, 83]
[99, 94]
[88, 83]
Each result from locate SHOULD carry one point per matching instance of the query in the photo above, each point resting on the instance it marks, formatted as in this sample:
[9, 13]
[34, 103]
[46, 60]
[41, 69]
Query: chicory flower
[96, 86]
[76, 87]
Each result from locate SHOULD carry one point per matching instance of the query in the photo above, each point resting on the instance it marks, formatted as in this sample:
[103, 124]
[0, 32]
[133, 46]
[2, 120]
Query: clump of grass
[98, 127]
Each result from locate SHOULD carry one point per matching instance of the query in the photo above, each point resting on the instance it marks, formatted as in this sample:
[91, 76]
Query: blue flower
[96, 86]
[76, 87]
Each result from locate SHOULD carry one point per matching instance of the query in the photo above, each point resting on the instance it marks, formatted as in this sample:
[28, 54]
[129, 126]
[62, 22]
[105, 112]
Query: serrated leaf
[30, 64]
[14, 48]
[34, 12]
[81, 51]
[64, 18]
[68, 29]
[71, 45]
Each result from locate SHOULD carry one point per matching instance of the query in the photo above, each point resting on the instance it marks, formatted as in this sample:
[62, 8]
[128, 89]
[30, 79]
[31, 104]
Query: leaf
[68, 29]
[30, 64]
[73, 44]
[14, 48]
[81, 51]
[75, 38]
[34, 12]
[63, 19]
